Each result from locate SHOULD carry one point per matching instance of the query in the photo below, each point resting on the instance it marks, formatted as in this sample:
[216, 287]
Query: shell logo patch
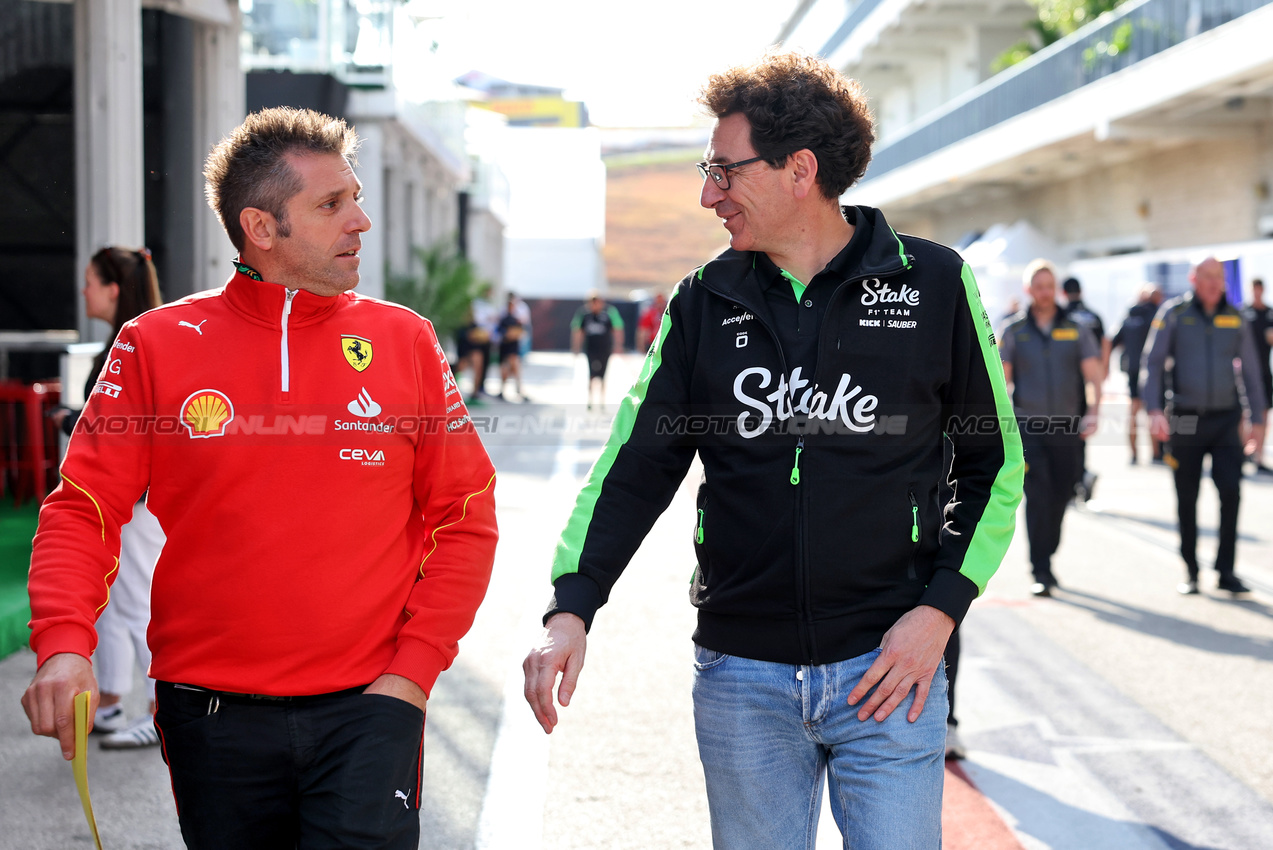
[357, 351]
[206, 413]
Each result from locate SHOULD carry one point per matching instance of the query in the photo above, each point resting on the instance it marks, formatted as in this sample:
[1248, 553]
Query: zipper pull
[795, 470]
[914, 518]
[698, 535]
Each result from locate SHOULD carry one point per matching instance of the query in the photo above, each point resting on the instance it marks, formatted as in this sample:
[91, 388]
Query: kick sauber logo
[206, 413]
[357, 351]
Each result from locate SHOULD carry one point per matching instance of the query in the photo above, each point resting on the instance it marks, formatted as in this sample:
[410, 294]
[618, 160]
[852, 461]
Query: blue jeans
[768, 733]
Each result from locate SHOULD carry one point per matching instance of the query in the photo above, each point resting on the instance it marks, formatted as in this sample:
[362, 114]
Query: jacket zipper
[285, 360]
[698, 535]
[804, 623]
[1047, 361]
[1209, 326]
[910, 570]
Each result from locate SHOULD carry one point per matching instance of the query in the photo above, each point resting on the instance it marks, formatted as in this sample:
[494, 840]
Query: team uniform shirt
[1047, 374]
[598, 330]
[1132, 336]
[1203, 348]
[1080, 313]
[328, 505]
[650, 318]
[510, 330]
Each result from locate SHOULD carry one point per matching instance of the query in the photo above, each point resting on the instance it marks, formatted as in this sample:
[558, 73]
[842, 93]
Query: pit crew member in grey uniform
[1050, 359]
[1204, 334]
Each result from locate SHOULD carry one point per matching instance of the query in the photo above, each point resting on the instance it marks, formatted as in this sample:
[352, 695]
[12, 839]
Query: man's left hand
[400, 687]
[1255, 442]
[1088, 425]
[912, 649]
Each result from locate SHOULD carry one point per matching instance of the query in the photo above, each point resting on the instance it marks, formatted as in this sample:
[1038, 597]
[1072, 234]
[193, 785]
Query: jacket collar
[734, 273]
[264, 302]
[1191, 300]
[841, 267]
[1059, 319]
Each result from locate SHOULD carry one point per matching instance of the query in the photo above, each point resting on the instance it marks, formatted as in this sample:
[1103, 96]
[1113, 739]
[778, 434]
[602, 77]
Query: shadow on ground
[1174, 629]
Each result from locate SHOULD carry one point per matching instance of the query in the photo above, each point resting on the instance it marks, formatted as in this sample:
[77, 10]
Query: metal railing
[857, 16]
[1115, 41]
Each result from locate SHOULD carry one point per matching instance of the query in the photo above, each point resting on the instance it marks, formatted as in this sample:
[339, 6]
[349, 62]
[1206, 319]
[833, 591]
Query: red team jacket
[328, 504]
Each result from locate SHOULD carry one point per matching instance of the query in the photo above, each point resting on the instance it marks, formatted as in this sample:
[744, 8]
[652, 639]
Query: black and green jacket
[818, 522]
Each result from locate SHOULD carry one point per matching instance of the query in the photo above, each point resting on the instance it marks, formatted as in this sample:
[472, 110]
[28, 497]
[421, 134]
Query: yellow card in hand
[79, 764]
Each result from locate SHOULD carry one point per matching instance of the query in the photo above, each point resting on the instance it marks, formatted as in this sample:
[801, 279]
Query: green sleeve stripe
[615, 318]
[570, 545]
[577, 321]
[999, 518]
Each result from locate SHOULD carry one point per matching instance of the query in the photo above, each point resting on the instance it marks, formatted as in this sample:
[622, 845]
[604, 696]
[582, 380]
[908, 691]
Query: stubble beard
[319, 275]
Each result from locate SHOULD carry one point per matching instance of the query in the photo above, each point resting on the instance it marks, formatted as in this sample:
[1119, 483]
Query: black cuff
[951, 593]
[575, 594]
[68, 424]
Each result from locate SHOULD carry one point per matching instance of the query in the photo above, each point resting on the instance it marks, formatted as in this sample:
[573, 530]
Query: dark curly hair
[796, 101]
[248, 168]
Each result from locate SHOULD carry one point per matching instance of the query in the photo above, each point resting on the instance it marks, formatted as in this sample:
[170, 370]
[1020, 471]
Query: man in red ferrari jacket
[329, 511]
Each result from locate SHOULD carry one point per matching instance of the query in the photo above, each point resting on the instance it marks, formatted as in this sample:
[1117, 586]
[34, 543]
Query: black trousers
[1215, 434]
[332, 771]
[1054, 464]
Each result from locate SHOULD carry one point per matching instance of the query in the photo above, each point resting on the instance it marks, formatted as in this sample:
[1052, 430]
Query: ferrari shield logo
[357, 351]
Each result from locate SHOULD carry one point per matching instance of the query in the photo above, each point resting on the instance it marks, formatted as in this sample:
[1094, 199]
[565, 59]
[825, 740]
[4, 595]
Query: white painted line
[565, 463]
[512, 815]
[1050, 805]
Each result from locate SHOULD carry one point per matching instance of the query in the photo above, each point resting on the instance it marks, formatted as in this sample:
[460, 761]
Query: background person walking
[597, 331]
[119, 285]
[511, 331]
[1259, 317]
[1048, 360]
[1203, 335]
[1131, 339]
[1080, 313]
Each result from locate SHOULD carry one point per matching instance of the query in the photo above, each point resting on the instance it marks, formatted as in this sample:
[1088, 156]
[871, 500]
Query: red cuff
[419, 662]
[65, 637]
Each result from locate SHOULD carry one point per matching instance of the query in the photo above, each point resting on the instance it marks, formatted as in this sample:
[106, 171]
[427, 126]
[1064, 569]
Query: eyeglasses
[720, 172]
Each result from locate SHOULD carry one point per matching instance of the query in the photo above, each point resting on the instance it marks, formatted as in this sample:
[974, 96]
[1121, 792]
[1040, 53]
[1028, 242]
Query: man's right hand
[1159, 427]
[49, 700]
[560, 650]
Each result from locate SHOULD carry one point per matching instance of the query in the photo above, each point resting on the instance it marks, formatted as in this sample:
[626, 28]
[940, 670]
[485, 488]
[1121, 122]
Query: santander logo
[876, 292]
[794, 395]
[364, 405]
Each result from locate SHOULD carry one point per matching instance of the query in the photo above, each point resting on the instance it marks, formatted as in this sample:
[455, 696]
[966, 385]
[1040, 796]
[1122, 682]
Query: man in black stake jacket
[813, 368]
